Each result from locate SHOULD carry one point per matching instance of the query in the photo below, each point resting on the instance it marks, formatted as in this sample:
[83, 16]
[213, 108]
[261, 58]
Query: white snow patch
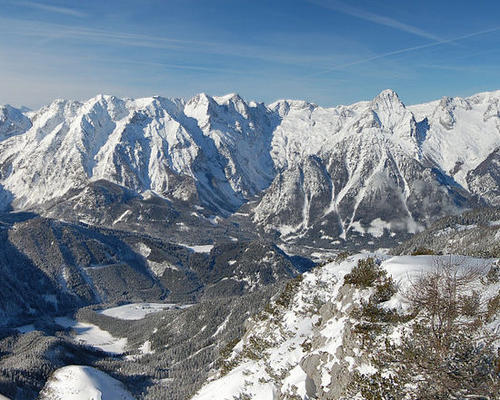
[144, 250]
[202, 248]
[77, 382]
[237, 381]
[145, 348]
[366, 369]
[94, 336]
[296, 379]
[136, 311]
[159, 268]
[214, 219]
[121, 217]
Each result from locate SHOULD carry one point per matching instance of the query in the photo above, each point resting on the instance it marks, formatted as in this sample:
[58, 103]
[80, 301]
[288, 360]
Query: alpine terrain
[215, 248]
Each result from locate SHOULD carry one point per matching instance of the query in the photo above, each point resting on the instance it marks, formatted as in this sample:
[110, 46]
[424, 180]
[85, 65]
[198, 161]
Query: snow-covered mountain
[12, 122]
[374, 167]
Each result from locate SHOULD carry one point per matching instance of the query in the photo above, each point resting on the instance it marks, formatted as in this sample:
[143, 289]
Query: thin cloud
[460, 68]
[406, 50]
[46, 32]
[52, 9]
[383, 20]
[54, 31]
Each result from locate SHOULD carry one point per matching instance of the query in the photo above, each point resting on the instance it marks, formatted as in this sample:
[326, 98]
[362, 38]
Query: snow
[145, 348]
[222, 326]
[214, 219]
[122, 217]
[92, 335]
[77, 382]
[285, 334]
[136, 311]
[251, 376]
[139, 142]
[159, 268]
[296, 378]
[144, 250]
[202, 248]
[224, 388]
[366, 369]
[457, 129]
[377, 227]
[406, 268]
[456, 228]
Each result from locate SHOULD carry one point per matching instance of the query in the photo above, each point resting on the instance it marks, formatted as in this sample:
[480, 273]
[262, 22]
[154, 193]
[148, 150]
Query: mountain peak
[389, 108]
[231, 97]
[200, 98]
[388, 98]
[12, 121]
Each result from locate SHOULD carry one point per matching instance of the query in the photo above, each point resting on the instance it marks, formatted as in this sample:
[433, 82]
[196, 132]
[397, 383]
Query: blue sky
[326, 51]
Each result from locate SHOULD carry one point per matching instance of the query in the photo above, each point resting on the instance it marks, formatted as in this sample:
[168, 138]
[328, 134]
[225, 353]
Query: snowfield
[136, 311]
[202, 248]
[76, 382]
[94, 336]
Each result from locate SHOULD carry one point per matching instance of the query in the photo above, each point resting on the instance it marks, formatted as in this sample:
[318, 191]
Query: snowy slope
[461, 132]
[12, 122]
[144, 144]
[76, 382]
[92, 335]
[307, 349]
[224, 151]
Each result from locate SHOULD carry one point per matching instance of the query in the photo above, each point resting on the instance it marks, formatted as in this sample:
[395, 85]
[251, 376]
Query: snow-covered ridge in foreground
[76, 382]
[303, 346]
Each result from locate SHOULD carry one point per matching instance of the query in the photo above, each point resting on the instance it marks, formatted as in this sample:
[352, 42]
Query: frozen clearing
[94, 336]
[202, 248]
[79, 382]
[136, 311]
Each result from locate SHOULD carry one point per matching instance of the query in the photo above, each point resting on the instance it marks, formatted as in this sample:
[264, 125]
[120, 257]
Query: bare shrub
[449, 346]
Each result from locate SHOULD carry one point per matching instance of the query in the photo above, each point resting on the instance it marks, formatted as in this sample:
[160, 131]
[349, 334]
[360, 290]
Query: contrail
[374, 18]
[406, 50]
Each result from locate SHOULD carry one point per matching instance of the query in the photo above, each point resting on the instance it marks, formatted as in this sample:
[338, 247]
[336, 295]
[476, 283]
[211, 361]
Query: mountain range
[373, 169]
